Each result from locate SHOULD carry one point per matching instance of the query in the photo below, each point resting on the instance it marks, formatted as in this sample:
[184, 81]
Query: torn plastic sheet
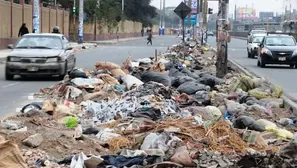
[82, 161]
[88, 83]
[106, 111]
[31, 106]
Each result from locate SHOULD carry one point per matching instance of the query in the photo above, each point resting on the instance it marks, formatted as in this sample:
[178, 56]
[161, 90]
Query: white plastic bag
[131, 81]
[78, 161]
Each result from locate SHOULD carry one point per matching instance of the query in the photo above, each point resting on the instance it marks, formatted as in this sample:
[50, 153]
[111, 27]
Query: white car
[254, 32]
[253, 44]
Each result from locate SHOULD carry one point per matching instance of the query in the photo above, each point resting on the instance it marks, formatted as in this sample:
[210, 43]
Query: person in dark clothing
[23, 30]
[149, 39]
[56, 29]
[142, 32]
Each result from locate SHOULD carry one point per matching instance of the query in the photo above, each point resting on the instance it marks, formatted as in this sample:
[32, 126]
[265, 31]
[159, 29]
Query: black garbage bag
[191, 88]
[31, 106]
[75, 73]
[210, 80]
[249, 100]
[168, 66]
[202, 98]
[189, 73]
[181, 80]
[244, 122]
[152, 114]
[156, 77]
[174, 72]
[122, 161]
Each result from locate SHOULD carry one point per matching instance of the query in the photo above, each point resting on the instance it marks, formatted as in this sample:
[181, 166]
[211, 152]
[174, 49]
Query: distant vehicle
[210, 33]
[279, 31]
[277, 49]
[253, 44]
[255, 31]
[40, 55]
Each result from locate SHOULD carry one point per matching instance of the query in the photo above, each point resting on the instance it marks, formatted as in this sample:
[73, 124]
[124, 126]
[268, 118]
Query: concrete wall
[12, 16]
[96, 32]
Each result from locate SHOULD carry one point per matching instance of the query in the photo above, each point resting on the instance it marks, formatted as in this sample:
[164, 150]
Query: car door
[69, 54]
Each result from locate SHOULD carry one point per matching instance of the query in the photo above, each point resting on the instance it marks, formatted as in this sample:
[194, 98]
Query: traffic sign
[182, 10]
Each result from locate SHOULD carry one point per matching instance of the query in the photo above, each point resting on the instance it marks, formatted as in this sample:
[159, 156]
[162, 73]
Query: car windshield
[40, 42]
[280, 41]
[257, 39]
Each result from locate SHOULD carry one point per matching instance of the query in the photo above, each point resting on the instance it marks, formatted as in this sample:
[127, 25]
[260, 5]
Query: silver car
[40, 55]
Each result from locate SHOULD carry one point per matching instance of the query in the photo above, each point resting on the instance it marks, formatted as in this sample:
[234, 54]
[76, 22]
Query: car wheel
[61, 77]
[252, 54]
[296, 66]
[262, 63]
[8, 76]
[292, 65]
[249, 54]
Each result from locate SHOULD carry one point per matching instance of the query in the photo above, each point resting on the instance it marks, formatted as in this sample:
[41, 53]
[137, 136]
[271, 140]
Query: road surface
[280, 75]
[15, 94]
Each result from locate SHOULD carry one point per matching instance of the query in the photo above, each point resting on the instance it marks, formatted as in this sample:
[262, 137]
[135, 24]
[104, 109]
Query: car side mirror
[10, 46]
[69, 48]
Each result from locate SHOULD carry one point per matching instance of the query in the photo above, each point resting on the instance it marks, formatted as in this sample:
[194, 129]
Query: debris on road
[168, 110]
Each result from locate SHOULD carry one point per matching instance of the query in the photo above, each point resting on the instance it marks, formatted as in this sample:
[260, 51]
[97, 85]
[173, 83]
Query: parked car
[40, 55]
[255, 31]
[277, 49]
[252, 47]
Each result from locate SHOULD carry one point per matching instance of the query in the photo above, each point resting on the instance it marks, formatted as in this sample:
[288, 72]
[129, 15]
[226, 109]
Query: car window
[258, 39]
[280, 41]
[47, 42]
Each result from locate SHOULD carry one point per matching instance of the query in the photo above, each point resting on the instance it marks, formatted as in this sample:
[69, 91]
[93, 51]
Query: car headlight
[13, 59]
[55, 59]
[266, 51]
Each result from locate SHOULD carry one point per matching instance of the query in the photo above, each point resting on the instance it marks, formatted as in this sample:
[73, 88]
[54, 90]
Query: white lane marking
[12, 84]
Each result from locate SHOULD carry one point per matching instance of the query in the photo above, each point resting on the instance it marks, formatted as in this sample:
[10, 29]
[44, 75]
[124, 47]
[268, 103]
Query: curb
[115, 41]
[288, 100]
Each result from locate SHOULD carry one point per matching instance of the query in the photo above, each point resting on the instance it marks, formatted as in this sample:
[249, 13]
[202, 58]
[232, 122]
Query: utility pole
[123, 6]
[36, 24]
[189, 16]
[222, 44]
[200, 16]
[161, 23]
[164, 1]
[205, 12]
[81, 22]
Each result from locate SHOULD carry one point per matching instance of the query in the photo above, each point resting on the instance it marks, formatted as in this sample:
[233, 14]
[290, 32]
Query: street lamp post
[123, 6]
[36, 23]
[81, 21]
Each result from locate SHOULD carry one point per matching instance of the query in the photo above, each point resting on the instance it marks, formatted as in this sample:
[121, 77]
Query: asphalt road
[278, 74]
[15, 94]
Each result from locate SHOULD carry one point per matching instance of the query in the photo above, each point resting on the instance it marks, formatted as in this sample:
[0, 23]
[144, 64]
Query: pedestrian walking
[23, 30]
[149, 39]
[142, 32]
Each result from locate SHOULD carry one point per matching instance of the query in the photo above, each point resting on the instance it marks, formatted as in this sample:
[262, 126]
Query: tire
[252, 54]
[8, 76]
[262, 63]
[296, 66]
[258, 63]
[292, 65]
[249, 54]
[61, 77]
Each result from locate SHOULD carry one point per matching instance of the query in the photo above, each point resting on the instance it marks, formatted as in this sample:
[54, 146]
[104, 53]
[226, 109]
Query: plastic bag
[183, 157]
[131, 81]
[259, 93]
[234, 107]
[268, 125]
[191, 88]
[75, 73]
[213, 112]
[156, 77]
[247, 83]
[87, 83]
[277, 91]
[282, 133]
[106, 65]
[70, 122]
[244, 122]
[78, 161]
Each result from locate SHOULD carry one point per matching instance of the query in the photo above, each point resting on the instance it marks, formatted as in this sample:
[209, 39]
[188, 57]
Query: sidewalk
[115, 41]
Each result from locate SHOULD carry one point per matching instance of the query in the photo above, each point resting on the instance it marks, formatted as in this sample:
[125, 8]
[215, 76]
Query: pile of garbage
[164, 111]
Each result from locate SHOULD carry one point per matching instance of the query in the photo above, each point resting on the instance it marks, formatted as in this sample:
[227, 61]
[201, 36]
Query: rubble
[168, 110]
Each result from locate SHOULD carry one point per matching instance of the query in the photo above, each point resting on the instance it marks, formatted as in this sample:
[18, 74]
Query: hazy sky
[259, 5]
